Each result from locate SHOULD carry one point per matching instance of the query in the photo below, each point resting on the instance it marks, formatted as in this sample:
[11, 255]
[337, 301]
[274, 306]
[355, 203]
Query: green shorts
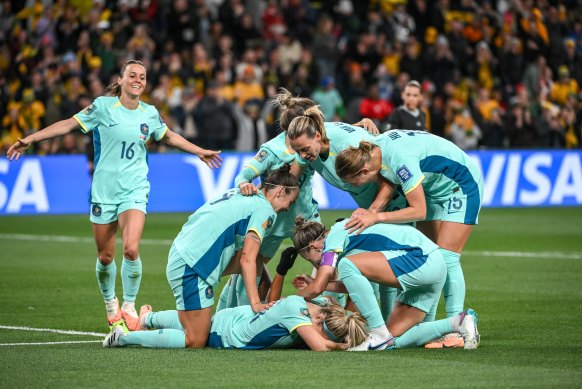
[421, 278]
[459, 207]
[270, 245]
[190, 291]
[108, 213]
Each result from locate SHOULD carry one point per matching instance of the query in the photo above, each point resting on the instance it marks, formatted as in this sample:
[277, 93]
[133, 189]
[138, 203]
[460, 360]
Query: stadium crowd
[493, 74]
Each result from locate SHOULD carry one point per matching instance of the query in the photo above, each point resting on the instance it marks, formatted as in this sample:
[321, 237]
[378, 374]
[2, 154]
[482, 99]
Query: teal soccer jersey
[119, 138]
[401, 240]
[241, 328]
[214, 233]
[341, 136]
[271, 156]
[411, 158]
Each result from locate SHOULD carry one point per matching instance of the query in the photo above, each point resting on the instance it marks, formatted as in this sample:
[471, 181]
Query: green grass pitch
[523, 269]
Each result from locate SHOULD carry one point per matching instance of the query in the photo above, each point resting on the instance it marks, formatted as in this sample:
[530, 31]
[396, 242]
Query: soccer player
[408, 115]
[222, 237]
[390, 254]
[443, 188]
[121, 125]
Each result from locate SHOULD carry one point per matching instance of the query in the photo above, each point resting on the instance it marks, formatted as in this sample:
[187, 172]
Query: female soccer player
[396, 255]
[443, 187]
[121, 126]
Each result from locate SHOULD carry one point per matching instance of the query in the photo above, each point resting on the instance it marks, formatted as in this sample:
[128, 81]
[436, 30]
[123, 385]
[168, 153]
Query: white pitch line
[45, 343]
[168, 242]
[66, 332]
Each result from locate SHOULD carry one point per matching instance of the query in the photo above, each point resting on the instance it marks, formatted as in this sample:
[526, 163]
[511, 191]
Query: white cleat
[468, 329]
[374, 343]
[112, 339]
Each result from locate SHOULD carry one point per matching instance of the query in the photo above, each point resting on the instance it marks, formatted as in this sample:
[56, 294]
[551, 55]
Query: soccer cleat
[452, 340]
[468, 329]
[113, 312]
[117, 331]
[144, 311]
[130, 316]
[374, 343]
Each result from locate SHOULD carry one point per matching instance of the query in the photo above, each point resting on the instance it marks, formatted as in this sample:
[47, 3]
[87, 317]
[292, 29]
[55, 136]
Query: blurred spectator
[216, 120]
[329, 99]
[519, 125]
[408, 116]
[375, 108]
[247, 88]
[564, 87]
[252, 126]
[464, 131]
[325, 45]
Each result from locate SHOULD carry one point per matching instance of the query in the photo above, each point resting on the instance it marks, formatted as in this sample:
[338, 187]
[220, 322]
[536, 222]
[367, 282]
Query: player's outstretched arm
[316, 342]
[57, 129]
[209, 157]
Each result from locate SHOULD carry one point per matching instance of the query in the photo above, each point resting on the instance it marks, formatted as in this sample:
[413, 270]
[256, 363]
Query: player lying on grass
[391, 254]
[289, 323]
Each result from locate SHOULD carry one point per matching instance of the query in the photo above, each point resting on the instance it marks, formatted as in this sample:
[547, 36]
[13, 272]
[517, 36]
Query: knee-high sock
[130, 279]
[454, 288]
[361, 293]
[166, 338]
[106, 279]
[234, 293]
[423, 333]
[387, 299]
[164, 319]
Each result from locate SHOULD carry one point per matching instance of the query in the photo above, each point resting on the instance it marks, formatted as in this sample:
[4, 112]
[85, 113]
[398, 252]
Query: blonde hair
[306, 232]
[341, 324]
[290, 107]
[310, 123]
[351, 161]
[114, 89]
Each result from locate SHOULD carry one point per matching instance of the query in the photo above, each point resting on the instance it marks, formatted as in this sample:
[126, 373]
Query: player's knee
[105, 257]
[131, 252]
[195, 342]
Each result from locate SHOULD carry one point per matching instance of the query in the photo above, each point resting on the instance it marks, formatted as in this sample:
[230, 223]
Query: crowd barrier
[182, 183]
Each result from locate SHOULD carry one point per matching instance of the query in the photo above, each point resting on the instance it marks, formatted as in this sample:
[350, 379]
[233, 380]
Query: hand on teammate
[287, 260]
[360, 220]
[301, 281]
[369, 125]
[248, 189]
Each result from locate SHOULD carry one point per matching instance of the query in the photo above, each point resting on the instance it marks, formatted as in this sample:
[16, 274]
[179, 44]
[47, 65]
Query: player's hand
[248, 189]
[369, 125]
[346, 344]
[360, 220]
[211, 158]
[260, 307]
[301, 281]
[17, 149]
[287, 260]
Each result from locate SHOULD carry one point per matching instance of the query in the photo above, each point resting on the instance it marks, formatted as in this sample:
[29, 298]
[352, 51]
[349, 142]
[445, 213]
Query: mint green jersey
[271, 156]
[401, 240]
[217, 230]
[341, 136]
[119, 139]
[411, 158]
[241, 328]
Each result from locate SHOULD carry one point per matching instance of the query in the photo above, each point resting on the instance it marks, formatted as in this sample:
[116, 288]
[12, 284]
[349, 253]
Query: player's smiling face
[133, 81]
[307, 148]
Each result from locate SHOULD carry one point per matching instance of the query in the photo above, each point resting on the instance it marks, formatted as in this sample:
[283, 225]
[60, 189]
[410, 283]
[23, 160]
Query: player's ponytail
[306, 232]
[310, 123]
[114, 89]
[340, 324]
[351, 161]
[290, 107]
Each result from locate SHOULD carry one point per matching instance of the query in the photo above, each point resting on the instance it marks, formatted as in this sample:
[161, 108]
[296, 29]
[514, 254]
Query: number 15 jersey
[119, 139]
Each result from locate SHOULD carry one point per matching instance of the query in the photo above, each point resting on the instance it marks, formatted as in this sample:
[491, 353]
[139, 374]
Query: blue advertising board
[182, 183]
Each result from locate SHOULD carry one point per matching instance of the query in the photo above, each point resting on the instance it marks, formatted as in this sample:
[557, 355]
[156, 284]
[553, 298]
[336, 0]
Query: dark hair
[281, 177]
[290, 107]
[114, 89]
[351, 160]
[306, 232]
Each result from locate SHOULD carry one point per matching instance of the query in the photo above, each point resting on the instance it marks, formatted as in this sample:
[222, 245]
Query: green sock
[422, 333]
[106, 279]
[454, 289]
[130, 279]
[164, 319]
[166, 338]
[361, 293]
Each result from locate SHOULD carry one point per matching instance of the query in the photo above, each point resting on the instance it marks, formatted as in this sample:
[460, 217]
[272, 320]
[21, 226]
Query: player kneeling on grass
[396, 255]
[205, 250]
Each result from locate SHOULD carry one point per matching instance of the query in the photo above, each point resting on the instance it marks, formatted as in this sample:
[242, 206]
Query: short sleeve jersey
[214, 233]
[341, 136]
[119, 139]
[410, 158]
[271, 156]
[241, 328]
[401, 239]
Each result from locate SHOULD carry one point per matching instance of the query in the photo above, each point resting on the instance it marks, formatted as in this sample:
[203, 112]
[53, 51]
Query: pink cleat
[144, 311]
[130, 316]
[452, 340]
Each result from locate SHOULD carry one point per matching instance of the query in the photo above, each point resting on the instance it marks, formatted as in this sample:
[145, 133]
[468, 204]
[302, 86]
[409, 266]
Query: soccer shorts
[109, 213]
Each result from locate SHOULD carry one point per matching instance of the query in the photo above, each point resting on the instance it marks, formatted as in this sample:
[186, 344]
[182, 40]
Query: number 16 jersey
[119, 139]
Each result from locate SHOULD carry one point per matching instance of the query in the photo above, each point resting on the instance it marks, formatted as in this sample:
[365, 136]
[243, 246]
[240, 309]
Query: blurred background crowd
[492, 74]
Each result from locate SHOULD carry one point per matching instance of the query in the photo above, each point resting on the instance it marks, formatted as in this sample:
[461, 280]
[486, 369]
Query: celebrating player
[121, 126]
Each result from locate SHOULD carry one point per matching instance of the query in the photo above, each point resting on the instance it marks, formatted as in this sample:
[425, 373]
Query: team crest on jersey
[304, 312]
[209, 292]
[261, 155]
[88, 109]
[268, 223]
[144, 129]
[404, 173]
[96, 210]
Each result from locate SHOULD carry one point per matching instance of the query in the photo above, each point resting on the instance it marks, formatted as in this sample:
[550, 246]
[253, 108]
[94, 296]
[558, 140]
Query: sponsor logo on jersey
[268, 223]
[261, 155]
[88, 109]
[96, 210]
[404, 173]
[145, 130]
